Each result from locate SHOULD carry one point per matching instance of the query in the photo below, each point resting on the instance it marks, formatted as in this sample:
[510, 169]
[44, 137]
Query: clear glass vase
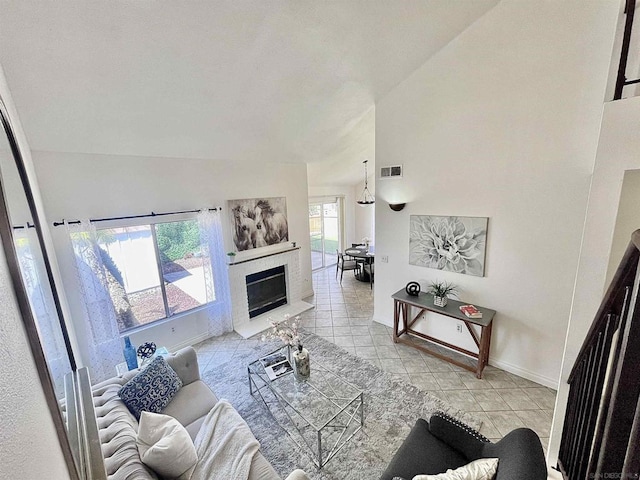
[301, 363]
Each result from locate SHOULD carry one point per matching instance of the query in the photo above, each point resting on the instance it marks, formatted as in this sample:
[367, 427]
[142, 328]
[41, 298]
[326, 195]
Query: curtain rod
[28, 225]
[129, 217]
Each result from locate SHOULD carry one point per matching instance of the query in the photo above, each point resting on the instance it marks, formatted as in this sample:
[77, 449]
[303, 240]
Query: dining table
[367, 257]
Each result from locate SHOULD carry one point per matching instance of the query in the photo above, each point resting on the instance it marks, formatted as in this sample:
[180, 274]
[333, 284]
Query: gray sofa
[118, 427]
[445, 443]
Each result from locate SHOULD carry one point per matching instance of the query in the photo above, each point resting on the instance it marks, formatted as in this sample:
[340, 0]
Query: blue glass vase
[130, 355]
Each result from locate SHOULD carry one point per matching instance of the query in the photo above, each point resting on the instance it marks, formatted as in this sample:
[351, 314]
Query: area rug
[390, 409]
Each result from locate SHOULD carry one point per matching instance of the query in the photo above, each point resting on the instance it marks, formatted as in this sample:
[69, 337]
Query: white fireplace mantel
[255, 254]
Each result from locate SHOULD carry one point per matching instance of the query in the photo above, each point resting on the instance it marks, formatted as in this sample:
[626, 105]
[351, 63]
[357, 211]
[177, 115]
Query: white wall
[365, 216]
[502, 123]
[29, 445]
[618, 151]
[627, 220]
[77, 186]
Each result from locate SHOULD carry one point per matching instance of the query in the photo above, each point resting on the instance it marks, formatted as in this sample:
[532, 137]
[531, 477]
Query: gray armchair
[443, 443]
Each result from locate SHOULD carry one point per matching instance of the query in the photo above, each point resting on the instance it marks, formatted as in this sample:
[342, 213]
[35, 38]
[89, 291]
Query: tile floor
[342, 315]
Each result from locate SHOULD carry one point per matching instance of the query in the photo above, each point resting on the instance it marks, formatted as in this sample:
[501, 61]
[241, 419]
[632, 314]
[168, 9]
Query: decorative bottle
[130, 354]
[301, 363]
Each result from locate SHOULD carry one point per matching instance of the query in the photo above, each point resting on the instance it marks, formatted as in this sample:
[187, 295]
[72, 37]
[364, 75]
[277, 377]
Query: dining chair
[368, 267]
[358, 260]
[343, 265]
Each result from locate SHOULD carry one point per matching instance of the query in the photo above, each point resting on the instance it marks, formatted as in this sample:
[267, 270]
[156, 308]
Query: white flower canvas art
[453, 244]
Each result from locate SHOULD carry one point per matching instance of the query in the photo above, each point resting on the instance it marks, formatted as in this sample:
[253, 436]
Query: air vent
[391, 172]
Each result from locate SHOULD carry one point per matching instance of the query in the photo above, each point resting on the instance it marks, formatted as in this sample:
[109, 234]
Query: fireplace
[266, 290]
[259, 260]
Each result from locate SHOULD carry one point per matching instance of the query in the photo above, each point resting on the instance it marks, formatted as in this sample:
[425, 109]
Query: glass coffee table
[320, 414]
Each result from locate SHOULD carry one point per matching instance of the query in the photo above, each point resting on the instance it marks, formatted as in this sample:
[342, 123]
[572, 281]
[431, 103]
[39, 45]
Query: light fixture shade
[396, 207]
[366, 198]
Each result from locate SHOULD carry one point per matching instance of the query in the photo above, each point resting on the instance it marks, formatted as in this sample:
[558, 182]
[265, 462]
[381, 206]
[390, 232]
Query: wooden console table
[424, 302]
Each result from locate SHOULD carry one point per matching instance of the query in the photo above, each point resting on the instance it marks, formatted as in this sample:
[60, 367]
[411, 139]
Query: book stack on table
[276, 365]
[470, 311]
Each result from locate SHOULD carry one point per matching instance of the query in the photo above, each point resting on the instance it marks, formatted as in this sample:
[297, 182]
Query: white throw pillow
[481, 469]
[165, 446]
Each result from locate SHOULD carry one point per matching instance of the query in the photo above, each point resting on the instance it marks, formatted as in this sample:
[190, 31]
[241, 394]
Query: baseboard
[386, 322]
[524, 373]
[308, 293]
[506, 366]
[188, 342]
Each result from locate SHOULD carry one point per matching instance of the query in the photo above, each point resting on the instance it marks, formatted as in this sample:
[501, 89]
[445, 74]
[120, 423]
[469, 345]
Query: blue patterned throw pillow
[151, 389]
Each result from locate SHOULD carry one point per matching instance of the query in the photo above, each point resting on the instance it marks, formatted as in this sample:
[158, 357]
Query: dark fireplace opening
[266, 290]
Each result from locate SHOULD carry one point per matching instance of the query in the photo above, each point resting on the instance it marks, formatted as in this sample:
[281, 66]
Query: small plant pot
[440, 301]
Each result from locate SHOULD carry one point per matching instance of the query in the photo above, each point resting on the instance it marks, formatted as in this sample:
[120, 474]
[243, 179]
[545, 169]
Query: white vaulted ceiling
[255, 81]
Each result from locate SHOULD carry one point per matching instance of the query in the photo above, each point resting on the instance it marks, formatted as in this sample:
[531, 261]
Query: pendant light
[366, 198]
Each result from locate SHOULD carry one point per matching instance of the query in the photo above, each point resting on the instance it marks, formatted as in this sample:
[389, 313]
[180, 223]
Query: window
[153, 271]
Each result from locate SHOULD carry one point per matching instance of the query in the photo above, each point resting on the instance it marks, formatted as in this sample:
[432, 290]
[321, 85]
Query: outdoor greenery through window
[153, 271]
[324, 227]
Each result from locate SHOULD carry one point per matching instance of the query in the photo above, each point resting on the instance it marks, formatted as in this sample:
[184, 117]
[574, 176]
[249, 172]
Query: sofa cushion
[521, 456]
[261, 468]
[151, 389]
[481, 469]
[297, 475]
[191, 402]
[165, 446]
[185, 363]
[194, 428]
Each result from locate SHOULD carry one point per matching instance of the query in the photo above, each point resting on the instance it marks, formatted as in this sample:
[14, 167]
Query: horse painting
[259, 222]
[244, 229]
[273, 223]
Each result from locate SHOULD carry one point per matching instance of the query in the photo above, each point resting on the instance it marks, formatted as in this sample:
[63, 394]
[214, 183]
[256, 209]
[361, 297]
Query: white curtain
[102, 336]
[42, 306]
[215, 272]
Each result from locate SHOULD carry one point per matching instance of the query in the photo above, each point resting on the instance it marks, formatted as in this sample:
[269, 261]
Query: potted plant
[232, 256]
[440, 291]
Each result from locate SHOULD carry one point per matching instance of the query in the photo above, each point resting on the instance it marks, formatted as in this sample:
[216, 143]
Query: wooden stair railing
[602, 422]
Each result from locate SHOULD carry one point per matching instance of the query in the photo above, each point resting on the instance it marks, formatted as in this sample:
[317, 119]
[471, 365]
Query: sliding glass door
[325, 220]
